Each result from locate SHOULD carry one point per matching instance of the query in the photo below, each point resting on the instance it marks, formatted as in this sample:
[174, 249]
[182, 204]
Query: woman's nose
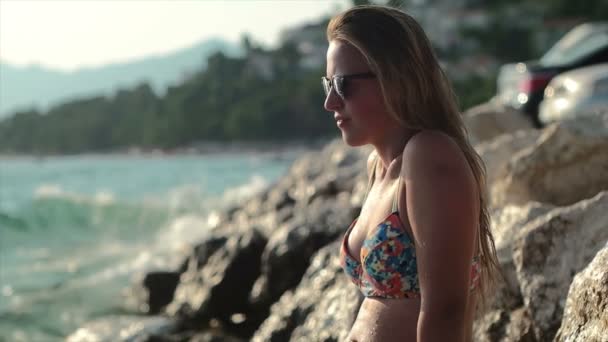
[333, 101]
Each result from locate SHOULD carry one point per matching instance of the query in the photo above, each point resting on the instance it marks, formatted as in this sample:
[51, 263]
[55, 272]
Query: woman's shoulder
[429, 150]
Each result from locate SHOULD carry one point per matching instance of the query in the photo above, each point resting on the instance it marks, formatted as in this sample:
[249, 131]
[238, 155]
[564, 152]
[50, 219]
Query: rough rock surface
[219, 289]
[586, 313]
[507, 221]
[550, 251]
[153, 291]
[321, 308]
[288, 252]
[122, 328]
[489, 120]
[568, 163]
[505, 326]
[497, 152]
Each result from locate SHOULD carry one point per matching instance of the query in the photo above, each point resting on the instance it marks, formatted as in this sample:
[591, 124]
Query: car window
[578, 43]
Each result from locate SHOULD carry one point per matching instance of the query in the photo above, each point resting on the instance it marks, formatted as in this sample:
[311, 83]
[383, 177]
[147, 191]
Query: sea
[76, 230]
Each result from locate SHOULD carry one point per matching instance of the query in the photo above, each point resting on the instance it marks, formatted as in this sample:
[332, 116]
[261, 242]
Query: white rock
[586, 313]
[550, 250]
[489, 120]
[569, 162]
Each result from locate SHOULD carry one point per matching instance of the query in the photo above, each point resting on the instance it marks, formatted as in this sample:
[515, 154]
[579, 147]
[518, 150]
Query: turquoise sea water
[74, 230]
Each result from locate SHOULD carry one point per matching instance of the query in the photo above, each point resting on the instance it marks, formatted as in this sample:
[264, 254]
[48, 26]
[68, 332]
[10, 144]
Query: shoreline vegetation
[275, 93]
[271, 148]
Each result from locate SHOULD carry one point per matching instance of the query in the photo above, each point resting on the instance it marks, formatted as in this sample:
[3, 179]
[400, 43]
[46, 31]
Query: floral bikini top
[388, 266]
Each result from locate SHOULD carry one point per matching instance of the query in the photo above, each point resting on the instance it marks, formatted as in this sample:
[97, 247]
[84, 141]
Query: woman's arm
[442, 206]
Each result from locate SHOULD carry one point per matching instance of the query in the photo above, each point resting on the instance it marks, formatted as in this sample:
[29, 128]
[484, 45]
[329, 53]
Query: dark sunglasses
[340, 82]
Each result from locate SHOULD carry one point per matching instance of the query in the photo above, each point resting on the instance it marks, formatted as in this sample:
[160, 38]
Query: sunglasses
[340, 82]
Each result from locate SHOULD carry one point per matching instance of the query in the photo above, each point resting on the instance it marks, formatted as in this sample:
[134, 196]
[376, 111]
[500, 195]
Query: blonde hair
[417, 94]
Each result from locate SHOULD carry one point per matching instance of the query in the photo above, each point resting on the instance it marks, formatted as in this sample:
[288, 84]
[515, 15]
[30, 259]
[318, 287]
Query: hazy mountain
[34, 86]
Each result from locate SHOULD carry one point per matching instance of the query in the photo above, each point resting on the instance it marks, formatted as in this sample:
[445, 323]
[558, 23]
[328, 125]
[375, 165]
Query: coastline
[263, 148]
[257, 276]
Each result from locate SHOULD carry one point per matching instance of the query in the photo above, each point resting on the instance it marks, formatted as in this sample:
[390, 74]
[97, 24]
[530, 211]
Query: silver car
[576, 93]
[521, 85]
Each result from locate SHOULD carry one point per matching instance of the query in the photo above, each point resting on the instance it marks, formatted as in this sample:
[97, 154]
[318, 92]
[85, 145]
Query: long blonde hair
[417, 94]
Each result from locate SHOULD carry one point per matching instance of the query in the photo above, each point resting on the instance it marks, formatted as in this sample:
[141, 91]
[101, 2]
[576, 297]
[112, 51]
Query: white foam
[55, 191]
[243, 192]
[182, 232]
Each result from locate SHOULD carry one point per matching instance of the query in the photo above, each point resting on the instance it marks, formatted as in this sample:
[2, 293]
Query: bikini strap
[371, 179]
[395, 207]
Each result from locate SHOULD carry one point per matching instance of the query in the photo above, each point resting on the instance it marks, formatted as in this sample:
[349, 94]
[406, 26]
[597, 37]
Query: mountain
[38, 87]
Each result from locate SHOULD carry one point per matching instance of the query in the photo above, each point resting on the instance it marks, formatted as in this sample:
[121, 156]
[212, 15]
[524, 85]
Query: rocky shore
[268, 271]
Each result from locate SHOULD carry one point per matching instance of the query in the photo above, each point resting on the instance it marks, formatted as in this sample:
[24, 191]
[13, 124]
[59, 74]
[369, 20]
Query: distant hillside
[33, 86]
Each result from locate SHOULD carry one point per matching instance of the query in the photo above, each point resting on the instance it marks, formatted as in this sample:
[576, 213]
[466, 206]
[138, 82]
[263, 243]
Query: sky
[71, 34]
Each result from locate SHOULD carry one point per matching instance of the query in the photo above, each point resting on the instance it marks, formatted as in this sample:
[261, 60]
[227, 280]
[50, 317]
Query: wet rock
[161, 287]
[568, 163]
[220, 288]
[324, 173]
[550, 251]
[278, 198]
[333, 315]
[288, 252]
[214, 337]
[586, 312]
[211, 335]
[204, 250]
[123, 328]
[321, 308]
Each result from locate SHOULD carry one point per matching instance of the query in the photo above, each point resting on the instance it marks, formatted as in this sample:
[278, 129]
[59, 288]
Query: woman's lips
[340, 120]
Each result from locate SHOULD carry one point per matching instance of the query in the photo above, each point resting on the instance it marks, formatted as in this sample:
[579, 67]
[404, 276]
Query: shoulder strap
[372, 177]
[395, 207]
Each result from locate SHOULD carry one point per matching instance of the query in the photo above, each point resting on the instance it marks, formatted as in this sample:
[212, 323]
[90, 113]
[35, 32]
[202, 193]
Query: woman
[421, 251]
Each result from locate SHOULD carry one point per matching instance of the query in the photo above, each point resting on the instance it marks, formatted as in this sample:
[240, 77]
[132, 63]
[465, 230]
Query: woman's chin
[351, 140]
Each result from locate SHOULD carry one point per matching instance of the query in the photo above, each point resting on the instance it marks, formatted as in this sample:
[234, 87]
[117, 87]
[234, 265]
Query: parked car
[579, 92]
[522, 85]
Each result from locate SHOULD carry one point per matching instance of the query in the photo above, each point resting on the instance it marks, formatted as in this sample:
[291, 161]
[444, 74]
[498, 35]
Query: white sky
[70, 34]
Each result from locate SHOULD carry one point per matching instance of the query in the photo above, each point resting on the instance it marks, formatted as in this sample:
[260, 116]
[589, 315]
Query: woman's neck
[391, 149]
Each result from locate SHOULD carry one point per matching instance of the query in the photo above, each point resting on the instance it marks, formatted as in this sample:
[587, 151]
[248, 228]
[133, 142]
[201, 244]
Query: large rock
[568, 163]
[122, 328]
[312, 206]
[333, 172]
[550, 250]
[489, 120]
[508, 221]
[305, 210]
[497, 152]
[586, 313]
[323, 174]
[288, 252]
[504, 326]
[219, 289]
[321, 308]
[503, 318]
[333, 315]
[151, 292]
